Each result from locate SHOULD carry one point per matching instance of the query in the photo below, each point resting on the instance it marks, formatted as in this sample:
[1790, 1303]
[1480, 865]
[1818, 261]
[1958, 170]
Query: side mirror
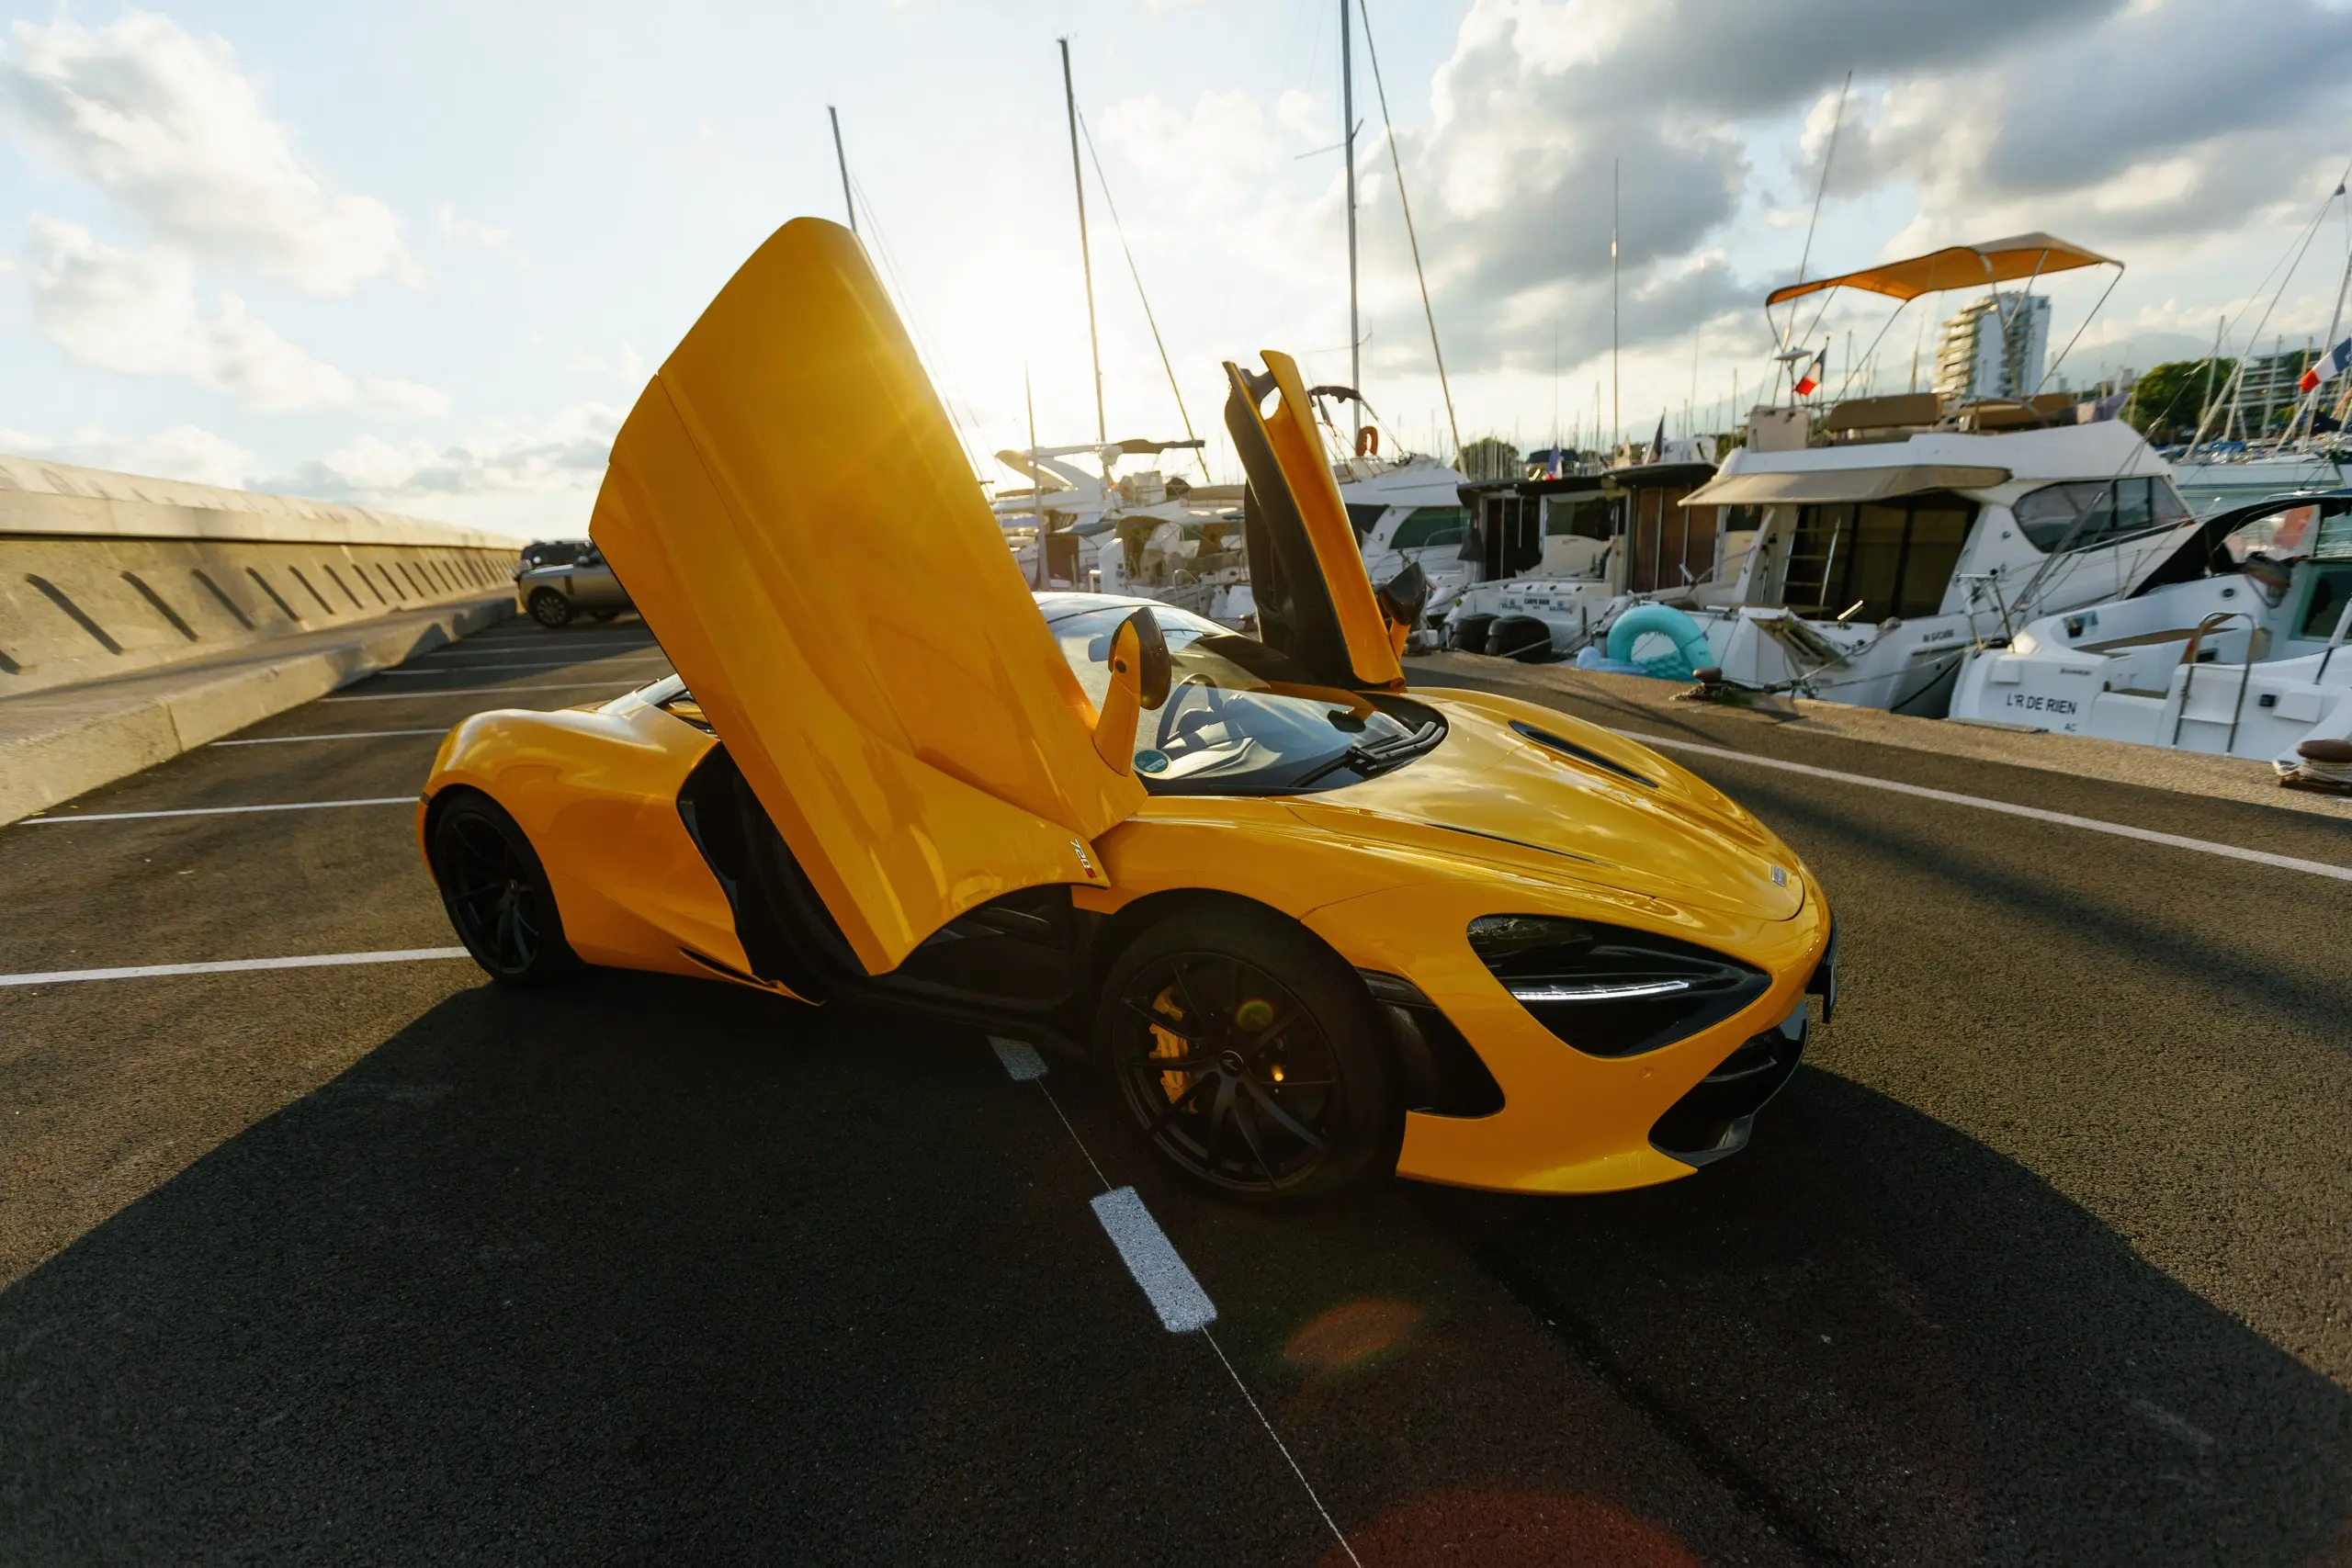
[1402, 599]
[1139, 677]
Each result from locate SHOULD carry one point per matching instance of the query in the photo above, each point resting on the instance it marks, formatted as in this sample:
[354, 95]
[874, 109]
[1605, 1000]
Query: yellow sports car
[1309, 924]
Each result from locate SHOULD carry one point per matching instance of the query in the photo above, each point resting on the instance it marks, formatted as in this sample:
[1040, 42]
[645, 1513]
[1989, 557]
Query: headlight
[1610, 991]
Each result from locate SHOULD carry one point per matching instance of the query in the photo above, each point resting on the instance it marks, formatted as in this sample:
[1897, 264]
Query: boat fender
[1689, 642]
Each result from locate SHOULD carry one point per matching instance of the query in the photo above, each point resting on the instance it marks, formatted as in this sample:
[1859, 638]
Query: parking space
[2040, 1258]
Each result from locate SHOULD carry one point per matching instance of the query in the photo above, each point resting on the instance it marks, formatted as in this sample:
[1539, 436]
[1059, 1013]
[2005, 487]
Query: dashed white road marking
[617, 685]
[1020, 1060]
[1980, 803]
[235, 966]
[333, 735]
[1154, 1261]
[1155, 1264]
[221, 810]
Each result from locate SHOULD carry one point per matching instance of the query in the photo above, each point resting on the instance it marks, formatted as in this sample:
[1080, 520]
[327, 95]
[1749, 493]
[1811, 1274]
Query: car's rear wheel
[1247, 1055]
[550, 608]
[497, 894]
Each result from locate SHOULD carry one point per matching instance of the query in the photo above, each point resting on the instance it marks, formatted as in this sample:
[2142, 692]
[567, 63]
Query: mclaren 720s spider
[1309, 924]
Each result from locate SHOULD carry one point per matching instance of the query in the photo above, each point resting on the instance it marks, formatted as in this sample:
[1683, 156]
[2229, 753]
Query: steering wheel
[1211, 698]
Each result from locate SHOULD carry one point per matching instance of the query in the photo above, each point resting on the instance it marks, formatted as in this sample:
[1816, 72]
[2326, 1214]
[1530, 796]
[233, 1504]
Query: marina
[656, 905]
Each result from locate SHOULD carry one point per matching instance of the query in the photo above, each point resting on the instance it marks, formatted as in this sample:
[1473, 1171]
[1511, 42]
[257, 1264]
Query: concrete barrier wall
[107, 574]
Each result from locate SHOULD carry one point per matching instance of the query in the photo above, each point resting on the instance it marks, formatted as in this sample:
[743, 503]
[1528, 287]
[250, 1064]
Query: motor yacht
[1861, 548]
[1143, 533]
[2232, 645]
[1554, 557]
[2221, 476]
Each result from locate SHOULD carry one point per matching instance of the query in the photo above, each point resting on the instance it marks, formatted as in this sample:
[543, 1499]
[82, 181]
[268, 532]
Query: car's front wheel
[1248, 1055]
[550, 608]
[497, 894]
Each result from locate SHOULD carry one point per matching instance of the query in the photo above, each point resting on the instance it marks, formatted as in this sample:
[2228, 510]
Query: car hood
[1490, 793]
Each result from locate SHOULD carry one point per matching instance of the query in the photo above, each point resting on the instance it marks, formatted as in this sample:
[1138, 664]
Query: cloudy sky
[422, 255]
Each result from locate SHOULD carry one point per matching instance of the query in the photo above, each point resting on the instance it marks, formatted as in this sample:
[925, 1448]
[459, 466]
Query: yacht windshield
[1240, 719]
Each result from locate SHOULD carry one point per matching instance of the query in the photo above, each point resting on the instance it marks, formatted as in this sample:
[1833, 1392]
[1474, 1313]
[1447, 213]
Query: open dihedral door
[790, 510]
[1307, 574]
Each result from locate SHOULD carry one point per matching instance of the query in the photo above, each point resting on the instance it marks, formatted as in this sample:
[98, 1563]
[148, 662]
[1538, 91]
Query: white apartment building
[1993, 348]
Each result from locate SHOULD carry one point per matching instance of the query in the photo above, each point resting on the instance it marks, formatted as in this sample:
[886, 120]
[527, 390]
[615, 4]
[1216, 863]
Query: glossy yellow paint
[1115, 731]
[1389, 872]
[788, 499]
[1297, 446]
[597, 792]
[1372, 870]
[788, 506]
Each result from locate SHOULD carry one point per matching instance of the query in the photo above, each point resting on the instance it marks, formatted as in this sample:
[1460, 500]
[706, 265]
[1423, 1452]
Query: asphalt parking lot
[2044, 1256]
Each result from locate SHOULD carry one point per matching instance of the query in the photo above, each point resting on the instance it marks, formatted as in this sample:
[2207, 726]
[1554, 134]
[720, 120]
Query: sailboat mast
[1616, 414]
[2327, 344]
[843, 159]
[1347, 143]
[1085, 258]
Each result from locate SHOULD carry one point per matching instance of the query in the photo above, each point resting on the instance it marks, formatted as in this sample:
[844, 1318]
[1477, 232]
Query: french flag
[2327, 367]
[1812, 378]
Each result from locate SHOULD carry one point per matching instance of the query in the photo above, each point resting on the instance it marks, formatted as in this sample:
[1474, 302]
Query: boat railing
[2189, 662]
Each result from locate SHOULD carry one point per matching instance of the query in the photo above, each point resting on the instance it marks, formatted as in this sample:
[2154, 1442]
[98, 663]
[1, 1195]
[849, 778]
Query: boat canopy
[1958, 266]
[1824, 485]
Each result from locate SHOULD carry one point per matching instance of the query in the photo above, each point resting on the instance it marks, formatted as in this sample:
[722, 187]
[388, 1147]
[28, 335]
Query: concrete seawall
[106, 574]
[140, 617]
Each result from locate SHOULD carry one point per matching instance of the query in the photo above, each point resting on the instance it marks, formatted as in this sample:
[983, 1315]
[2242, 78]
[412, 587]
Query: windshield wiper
[1371, 757]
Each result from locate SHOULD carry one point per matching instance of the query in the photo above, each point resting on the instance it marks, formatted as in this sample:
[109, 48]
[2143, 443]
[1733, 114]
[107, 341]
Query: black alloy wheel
[1249, 1055]
[550, 608]
[497, 894]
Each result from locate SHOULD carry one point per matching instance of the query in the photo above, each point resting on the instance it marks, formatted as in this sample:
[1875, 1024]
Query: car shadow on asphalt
[1901, 1347]
[606, 1273]
[640, 1268]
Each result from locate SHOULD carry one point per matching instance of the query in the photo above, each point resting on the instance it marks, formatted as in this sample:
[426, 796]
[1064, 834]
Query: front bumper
[1569, 1122]
[1716, 1116]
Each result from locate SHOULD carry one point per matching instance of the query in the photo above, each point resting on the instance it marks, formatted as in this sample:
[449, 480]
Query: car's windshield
[1240, 719]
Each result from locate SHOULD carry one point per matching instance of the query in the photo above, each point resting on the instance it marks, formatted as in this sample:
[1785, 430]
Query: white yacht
[1861, 548]
[1555, 558]
[1144, 531]
[2221, 476]
[2235, 645]
[1864, 573]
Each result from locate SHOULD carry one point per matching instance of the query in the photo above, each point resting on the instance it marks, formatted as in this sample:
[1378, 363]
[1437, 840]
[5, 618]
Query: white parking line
[337, 734]
[2089, 824]
[1020, 1060]
[624, 685]
[1154, 1261]
[235, 966]
[219, 810]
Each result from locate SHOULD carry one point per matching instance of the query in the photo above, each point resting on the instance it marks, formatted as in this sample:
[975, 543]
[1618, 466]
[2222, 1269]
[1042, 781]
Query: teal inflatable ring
[1689, 643]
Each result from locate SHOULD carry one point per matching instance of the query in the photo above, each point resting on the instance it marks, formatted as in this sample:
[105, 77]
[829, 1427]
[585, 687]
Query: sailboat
[2232, 471]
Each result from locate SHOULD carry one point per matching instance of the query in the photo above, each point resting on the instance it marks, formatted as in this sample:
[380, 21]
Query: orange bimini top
[1958, 266]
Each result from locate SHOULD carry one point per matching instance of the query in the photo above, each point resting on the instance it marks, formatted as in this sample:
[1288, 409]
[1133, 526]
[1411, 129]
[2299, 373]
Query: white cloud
[626, 366]
[136, 311]
[564, 454]
[182, 452]
[167, 125]
[461, 231]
